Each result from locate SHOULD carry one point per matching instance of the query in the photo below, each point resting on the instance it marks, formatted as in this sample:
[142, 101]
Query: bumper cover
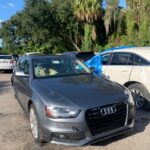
[80, 138]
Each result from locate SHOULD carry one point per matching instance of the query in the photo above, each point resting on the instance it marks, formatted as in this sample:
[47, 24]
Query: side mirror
[21, 74]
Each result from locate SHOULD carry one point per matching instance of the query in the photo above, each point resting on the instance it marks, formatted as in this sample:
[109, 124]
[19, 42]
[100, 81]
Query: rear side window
[5, 57]
[140, 61]
[105, 59]
[122, 59]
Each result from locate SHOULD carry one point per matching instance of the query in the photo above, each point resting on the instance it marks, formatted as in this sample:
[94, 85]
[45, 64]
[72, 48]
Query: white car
[131, 68]
[7, 62]
[33, 53]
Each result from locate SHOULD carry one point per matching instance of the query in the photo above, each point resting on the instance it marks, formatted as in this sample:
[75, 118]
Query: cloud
[11, 5]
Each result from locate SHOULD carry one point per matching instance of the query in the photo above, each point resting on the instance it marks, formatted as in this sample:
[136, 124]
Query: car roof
[142, 51]
[45, 56]
[76, 52]
[31, 53]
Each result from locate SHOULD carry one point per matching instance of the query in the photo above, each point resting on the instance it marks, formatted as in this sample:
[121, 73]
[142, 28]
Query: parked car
[83, 56]
[33, 53]
[7, 62]
[67, 104]
[131, 68]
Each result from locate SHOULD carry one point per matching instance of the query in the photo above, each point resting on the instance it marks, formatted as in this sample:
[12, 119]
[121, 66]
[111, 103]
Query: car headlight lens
[56, 112]
[130, 98]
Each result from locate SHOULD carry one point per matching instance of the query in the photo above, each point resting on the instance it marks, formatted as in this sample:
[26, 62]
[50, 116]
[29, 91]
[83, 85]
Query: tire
[140, 95]
[35, 128]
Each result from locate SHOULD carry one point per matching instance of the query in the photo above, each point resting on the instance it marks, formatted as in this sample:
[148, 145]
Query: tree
[88, 11]
[138, 22]
[69, 29]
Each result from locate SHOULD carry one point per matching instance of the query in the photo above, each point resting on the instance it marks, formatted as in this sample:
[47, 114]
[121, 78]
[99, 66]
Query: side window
[140, 61]
[19, 64]
[105, 59]
[122, 59]
[24, 66]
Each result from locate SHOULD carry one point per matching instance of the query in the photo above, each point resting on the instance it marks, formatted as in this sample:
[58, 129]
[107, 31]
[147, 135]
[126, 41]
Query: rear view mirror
[21, 74]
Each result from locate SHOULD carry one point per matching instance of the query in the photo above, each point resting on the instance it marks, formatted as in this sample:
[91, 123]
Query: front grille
[99, 123]
[67, 137]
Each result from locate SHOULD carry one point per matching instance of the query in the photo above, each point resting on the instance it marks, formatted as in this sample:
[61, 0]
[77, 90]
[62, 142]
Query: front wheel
[140, 94]
[35, 129]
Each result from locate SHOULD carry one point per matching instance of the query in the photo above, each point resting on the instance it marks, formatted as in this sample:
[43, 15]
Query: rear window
[5, 57]
[85, 55]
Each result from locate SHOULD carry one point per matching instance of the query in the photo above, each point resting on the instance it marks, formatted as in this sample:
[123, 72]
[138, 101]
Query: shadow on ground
[4, 86]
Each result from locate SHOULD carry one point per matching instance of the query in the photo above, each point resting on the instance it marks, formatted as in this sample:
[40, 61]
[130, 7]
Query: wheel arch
[130, 83]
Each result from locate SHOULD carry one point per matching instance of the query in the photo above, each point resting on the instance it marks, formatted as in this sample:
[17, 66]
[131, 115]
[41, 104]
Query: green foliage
[55, 26]
[87, 41]
[88, 12]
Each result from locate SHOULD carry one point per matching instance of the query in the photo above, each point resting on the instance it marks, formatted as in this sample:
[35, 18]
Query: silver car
[7, 62]
[67, 104]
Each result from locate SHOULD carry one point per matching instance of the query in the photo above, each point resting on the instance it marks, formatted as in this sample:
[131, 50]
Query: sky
[10, 7]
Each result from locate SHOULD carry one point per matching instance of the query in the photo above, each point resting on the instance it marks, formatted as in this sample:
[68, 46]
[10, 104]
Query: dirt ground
[15, 131]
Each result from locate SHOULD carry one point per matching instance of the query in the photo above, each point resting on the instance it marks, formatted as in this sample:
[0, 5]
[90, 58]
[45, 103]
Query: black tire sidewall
[144, 91]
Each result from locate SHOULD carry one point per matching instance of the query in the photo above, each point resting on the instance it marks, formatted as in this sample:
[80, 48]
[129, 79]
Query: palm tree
[110, 15]
[88, 11]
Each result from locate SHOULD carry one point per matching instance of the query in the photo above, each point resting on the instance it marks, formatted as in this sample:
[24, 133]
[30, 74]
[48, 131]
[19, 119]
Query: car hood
[85, 91]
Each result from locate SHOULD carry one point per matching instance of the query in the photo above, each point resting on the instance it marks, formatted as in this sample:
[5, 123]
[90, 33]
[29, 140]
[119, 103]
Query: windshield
[58, 67]
[5, 57]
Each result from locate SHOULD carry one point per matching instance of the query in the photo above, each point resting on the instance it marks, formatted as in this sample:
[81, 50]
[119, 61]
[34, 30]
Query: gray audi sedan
[67, 104]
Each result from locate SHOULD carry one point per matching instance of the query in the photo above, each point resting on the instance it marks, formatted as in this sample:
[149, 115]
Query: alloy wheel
[138, 97]
[33, 123]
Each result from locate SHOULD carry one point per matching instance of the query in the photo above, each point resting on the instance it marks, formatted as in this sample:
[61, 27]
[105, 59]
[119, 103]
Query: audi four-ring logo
[108, 110]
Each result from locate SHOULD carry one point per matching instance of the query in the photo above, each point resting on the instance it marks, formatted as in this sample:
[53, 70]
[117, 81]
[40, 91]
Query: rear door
[120, 67]
[141, 70]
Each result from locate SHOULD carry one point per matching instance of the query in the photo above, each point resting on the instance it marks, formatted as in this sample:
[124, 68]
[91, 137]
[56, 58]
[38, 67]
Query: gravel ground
[15, 131]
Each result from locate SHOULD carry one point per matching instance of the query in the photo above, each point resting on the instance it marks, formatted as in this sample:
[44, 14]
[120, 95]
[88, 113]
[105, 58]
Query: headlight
[130, 98]
[56, 112]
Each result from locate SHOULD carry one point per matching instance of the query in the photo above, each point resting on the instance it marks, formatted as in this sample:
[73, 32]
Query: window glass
[56, 67]
[23, 65]
[122, 59]
[85, 55]
[5, 57]
[105, 59]
[140, 61]
[26, 67]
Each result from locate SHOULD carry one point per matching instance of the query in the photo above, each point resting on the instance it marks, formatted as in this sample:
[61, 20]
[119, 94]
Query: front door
[22, 83]
[120, 67]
